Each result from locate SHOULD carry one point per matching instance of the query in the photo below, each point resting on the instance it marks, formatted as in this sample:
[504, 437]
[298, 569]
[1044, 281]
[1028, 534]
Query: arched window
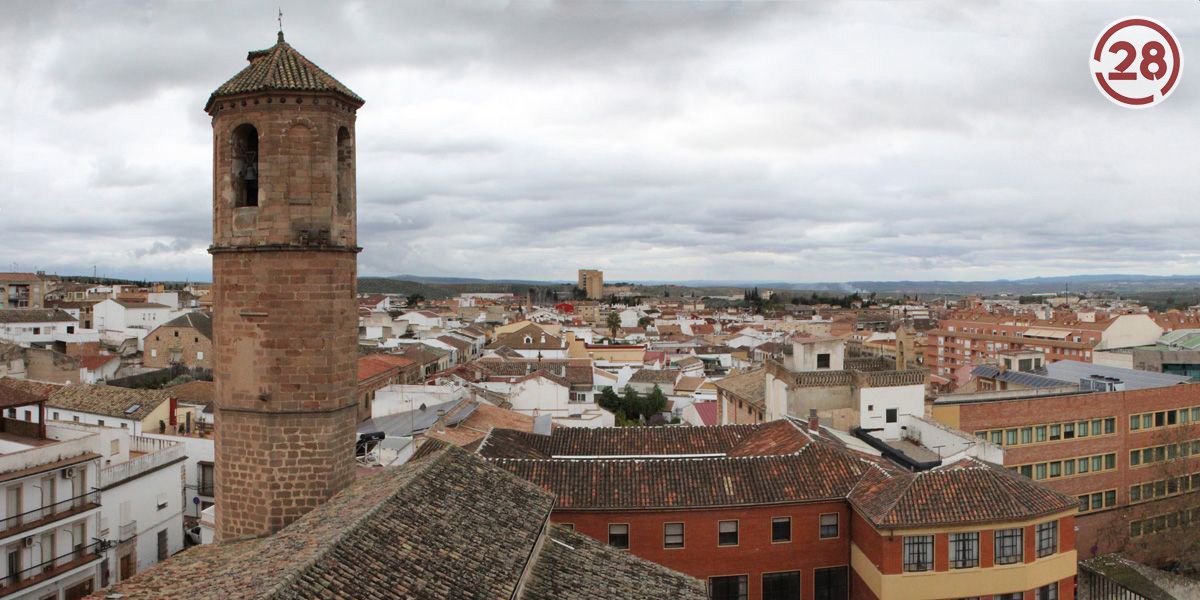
[345, 166]
[244, 169]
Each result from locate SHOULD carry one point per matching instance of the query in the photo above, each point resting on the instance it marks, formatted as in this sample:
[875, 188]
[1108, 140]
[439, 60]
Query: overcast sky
[803, 141]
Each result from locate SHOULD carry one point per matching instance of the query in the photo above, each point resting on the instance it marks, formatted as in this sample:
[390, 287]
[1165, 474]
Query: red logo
[1136, 62]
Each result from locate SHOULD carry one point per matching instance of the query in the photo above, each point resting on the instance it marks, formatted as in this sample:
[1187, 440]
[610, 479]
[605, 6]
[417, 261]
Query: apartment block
[788, 509]
[1127, 457]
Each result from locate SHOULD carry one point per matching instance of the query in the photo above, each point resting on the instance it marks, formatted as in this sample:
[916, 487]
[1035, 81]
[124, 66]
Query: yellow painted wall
[962, 583]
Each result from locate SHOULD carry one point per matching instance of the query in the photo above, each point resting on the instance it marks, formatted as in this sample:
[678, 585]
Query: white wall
[874, 403]
[154, 500]
[198, 450]
[804, 354]
[1128, 331]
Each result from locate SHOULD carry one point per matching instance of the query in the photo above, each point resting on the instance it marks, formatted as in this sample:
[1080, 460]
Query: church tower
[285, 317]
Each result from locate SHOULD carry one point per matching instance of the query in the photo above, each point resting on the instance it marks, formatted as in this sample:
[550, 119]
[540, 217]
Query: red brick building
[778, 510]
[1130, 458]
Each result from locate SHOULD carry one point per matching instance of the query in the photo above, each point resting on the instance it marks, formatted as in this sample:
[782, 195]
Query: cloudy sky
[802, 141]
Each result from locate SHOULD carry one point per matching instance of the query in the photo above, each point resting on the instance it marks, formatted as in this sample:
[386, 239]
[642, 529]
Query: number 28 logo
[1136, 62]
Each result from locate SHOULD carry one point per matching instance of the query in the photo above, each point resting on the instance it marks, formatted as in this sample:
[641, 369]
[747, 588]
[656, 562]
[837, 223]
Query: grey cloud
[783, 141]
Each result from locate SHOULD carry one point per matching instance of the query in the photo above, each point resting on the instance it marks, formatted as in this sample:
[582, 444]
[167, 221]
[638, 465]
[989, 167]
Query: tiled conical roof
[281, 67]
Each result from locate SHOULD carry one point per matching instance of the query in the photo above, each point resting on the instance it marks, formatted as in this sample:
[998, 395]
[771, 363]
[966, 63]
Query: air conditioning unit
[27, 542]
[68, 473]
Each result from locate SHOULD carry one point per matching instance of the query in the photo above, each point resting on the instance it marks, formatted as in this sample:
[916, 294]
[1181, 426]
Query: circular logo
[1136, 62]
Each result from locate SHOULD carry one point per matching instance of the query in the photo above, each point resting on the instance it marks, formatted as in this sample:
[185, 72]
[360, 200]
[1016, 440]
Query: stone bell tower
[285, 317]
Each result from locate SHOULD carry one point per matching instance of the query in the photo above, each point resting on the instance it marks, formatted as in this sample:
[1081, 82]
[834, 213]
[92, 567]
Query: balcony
[32, 519]
[31, 576]
[160, 454]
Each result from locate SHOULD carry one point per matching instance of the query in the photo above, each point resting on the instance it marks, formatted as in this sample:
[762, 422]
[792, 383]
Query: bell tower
[285, 318]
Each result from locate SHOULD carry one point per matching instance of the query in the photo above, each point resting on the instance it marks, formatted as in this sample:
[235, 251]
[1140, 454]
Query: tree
[645, 322]
[609, 400]
[614, 323]
[653, 403]
[415, 299]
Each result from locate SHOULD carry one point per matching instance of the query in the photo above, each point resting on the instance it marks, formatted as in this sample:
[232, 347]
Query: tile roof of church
[446, 525]
[281, 68]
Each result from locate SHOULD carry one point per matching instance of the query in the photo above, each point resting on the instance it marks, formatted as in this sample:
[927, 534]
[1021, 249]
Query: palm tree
[614, 323]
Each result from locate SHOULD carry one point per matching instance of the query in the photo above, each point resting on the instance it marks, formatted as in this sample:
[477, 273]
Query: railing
[45, 569]
[142, 443]
[61, 506]
[127, 531]
[1099, 586]
[169, 452]
[205, 489]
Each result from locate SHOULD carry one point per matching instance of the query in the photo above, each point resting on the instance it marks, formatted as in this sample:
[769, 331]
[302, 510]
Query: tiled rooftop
[446, 525]
[281, 68]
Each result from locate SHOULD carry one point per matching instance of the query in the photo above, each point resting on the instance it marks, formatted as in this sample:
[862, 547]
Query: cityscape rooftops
[442, 526]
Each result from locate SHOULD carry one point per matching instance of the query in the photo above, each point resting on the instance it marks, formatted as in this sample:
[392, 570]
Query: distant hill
[475, 281]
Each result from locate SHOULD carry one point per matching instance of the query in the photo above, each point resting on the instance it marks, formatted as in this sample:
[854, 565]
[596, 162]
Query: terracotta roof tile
[445, 526]
[282, 68]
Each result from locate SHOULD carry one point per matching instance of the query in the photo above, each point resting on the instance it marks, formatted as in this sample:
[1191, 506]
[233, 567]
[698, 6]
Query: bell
[251, 173]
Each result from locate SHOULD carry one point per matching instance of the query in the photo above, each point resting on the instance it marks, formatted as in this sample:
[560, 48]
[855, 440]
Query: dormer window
[244, 167]
[528, 339]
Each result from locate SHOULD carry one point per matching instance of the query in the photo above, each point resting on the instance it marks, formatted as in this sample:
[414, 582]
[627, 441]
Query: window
[918, 553]
[829, 525]
[732, 587]
[1041, 471]
[114, 447]
[832, 583]
[1135, 458]
[1084, 505]
[244, 168]
[1009, 546]
[1110, 425]
[100, 422]
[1040, 433]
[782, 586]
[1047, 538]
[727, 533]
[1055, 433]
[56, 415]
[1055, 469]
[1110, 461]
[153, 353]
[345, 170]
[1047, 592]
[1083, 429]
[964, 550]
[891, 416]
[1026, 435]
[206, 479]
[199, 356]
[618, 535]
[672, 535]
[781, 529]
[1010, 437]
[567, 526]
[162, 545]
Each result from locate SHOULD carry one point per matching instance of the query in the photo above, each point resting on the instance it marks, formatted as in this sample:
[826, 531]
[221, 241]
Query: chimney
[814, 422]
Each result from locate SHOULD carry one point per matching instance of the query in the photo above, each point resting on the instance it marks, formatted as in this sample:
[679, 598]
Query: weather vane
[281, 23]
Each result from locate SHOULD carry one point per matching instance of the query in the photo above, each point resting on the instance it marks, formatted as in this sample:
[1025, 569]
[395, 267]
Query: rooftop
[281, 68]
[35, 315]
[439, 527]
[780, 461]
[98, 399]
[201, 322]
